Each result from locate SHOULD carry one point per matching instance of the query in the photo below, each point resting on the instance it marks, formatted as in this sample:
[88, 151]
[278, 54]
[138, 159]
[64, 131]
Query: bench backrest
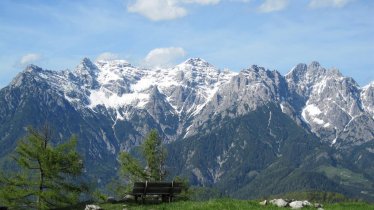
[157, 188]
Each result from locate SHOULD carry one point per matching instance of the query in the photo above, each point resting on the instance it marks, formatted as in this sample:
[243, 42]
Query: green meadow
[224, 204]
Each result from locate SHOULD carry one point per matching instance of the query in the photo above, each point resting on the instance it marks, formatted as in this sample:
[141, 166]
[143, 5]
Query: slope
[261, 153]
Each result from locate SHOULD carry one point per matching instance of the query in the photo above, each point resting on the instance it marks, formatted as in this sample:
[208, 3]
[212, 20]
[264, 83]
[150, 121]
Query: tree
[47, 174]
[154, 155]
[131, 169]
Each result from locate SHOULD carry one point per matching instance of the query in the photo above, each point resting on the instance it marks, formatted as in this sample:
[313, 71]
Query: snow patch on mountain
[312, 110]
[110, 100]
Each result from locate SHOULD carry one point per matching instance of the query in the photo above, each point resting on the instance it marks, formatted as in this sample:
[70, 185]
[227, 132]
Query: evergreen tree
[47, 174]
[154, 155]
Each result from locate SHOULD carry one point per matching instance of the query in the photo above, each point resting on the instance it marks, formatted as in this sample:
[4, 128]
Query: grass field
[225, 204]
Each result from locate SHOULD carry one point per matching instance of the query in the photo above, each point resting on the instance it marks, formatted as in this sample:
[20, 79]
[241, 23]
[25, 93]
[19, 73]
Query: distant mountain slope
[262, 153]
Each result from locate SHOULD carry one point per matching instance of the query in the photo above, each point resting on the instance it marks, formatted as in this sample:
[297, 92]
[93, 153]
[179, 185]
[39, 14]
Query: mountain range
[248, 134]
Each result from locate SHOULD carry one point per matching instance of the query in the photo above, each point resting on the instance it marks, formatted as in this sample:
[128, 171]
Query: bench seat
[167, 190]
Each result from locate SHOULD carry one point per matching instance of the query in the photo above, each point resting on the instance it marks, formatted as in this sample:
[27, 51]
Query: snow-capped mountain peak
[197, 62]
[370, 85]
[314, 65]
[328, 102]
[32, 67]
[86, 67]
[112, 63]
[193, 91]
[86, 72]
[187, 87]
[367, 98]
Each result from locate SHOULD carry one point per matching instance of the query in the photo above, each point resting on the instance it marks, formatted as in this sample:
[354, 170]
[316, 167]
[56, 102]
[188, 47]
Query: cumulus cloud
[273, 5]
[203, 2]
[164, 56]
[29, 59]
[158, 10]
[242, 1]
[328, 3]
[107, 56]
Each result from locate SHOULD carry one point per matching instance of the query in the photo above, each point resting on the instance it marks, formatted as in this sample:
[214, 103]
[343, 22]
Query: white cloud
[107, 56]
[164, 56]
[203, 2]
[29, 59]
[242, 1]
[328, 3]
[157, 10]
[273, 5]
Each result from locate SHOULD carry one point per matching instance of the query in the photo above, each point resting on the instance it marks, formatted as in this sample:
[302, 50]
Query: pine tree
[154, 155]
[47, 174]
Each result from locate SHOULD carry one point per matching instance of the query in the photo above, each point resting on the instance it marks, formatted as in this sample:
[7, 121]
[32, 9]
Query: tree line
[47, 176]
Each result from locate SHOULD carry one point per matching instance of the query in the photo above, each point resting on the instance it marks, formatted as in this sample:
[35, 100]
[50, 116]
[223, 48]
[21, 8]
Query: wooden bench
[167, 190]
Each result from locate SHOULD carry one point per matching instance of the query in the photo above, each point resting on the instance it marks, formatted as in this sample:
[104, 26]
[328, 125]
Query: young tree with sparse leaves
[47, 174]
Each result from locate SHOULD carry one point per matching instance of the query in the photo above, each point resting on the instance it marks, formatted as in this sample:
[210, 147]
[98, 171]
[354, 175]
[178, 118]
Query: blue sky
[234, 34]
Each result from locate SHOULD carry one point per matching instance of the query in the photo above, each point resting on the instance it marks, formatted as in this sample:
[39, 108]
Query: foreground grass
[353, 206]
[226, 204]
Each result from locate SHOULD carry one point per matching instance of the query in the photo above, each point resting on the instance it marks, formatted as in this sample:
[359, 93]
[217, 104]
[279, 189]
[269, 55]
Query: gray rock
[264, 203]
[296, 204]
[279, 202]
[92, 207]
[307, 203]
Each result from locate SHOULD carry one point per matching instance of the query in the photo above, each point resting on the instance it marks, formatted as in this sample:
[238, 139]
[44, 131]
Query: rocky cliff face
[330, 104]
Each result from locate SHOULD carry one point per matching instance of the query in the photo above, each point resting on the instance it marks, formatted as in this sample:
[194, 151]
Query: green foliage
[99, 196]
[154, 155]
[131, 169]
[187, 192]
[47, 174]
